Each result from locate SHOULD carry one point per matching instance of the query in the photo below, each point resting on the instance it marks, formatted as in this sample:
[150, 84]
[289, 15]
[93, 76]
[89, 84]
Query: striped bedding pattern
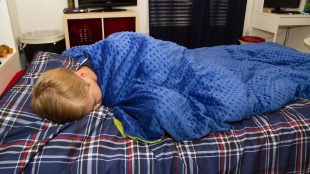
[277, 142]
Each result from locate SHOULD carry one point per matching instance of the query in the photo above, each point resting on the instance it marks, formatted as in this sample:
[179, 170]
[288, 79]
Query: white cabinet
[11, 64]
[270, 22]
[87, 28]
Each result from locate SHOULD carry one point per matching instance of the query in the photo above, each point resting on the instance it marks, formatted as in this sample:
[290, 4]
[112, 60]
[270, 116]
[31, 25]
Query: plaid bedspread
[276, 142]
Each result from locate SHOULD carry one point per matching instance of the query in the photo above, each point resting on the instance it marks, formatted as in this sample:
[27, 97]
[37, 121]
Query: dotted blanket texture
[157, 87]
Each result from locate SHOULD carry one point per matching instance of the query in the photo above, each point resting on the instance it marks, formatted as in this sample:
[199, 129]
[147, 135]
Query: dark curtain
[197, 23]
[170, 20]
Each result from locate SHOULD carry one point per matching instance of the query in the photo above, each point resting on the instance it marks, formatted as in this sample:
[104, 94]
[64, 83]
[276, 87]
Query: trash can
[42, 40]
[251, 39]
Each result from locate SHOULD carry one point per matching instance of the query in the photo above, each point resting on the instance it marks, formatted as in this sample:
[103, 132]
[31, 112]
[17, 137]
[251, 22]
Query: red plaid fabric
[272, 143]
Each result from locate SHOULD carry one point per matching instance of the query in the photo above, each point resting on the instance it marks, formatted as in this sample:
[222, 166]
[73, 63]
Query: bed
[277, 142]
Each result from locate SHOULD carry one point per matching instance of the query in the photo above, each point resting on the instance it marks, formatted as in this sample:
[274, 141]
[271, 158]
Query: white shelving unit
[11, 64]
[270, 22]
[118, 22]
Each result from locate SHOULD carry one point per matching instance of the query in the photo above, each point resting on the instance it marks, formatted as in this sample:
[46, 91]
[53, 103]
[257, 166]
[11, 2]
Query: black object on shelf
[75, 10]
[281, 11]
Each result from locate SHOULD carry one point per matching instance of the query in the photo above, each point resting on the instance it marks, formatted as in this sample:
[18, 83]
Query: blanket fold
[157, 86]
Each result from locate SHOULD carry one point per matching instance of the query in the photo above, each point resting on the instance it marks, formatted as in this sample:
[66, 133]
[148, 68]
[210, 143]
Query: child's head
[61, 95]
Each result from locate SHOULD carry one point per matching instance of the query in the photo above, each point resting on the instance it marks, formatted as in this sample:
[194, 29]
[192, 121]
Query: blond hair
[60, 95]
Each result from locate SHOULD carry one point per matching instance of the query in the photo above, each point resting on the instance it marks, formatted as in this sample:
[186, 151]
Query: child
[62, 95]
[156, 86]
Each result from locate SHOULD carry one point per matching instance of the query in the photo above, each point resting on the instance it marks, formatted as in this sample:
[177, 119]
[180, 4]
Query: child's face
[94, 93]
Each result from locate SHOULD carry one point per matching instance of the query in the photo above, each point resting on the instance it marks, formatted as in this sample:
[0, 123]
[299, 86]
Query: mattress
[277, 142]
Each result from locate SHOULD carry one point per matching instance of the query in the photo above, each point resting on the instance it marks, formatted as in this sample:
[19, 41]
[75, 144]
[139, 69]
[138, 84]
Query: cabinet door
[117, 24]
[84, 31]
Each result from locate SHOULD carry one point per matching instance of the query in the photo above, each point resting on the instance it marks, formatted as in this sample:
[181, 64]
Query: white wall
[6, 34]
[47, 14]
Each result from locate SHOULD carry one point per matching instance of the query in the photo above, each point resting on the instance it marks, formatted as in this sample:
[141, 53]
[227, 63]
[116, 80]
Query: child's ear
[80, 74]
[83, 75]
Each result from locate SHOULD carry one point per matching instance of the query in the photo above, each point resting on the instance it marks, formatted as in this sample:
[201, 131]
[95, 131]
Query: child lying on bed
[156, 87]
[63, 95]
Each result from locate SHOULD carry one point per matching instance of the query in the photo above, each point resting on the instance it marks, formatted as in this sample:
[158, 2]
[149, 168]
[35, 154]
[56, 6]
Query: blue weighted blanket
[157, 86]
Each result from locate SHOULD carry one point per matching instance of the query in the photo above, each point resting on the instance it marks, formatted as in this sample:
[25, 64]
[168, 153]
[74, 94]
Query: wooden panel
[10, 66]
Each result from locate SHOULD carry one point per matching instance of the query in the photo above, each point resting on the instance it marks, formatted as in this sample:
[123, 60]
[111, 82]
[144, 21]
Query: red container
[251, 39]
